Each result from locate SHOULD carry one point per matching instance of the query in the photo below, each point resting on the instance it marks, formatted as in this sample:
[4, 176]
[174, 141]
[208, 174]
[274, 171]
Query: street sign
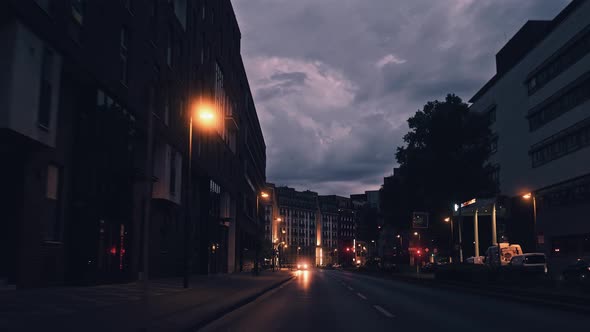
[420, 220]
[469, 202]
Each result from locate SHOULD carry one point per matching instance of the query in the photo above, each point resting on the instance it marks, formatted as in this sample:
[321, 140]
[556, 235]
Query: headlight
[298, 266]
[305, 266]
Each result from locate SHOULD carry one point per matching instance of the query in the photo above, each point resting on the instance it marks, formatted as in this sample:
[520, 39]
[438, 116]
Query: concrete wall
[21, 65]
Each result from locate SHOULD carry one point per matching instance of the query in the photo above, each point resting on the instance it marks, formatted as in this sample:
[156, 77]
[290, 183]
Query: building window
[153, 21]
[123, 55]
[52, 182]
[167, 110]
[180, 9]
[563, 143]
[78, 10]
[44, 111]
[494, 145]
[561, 102]
[169, 46]
[181, 108]
[495, 174]
[52, 231]
[47, 5]
[492, 115]
[566, 57]
[128, 4]
[172, 183]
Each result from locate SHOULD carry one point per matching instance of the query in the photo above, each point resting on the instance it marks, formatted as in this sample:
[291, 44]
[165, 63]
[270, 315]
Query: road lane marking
[350, 288]
[361, 296]
[383, 311]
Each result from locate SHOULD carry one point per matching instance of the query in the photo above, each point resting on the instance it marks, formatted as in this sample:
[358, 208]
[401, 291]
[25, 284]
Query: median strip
[361, 296]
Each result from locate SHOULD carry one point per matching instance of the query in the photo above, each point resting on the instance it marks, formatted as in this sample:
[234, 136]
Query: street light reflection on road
[303, 279]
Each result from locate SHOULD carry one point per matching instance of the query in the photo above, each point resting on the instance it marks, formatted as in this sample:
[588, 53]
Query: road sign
[420, 220]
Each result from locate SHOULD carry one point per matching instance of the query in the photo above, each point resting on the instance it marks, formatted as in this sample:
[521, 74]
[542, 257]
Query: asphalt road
[326, 300]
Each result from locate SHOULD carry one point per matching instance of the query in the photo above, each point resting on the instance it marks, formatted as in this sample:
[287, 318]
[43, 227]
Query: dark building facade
[95, 115]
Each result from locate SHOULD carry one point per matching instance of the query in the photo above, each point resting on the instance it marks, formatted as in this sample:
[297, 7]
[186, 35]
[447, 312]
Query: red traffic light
[347, 249]
[418, 252]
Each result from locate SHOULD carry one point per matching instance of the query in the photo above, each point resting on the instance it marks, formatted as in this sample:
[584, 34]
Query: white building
[539, 106]
[299, 233]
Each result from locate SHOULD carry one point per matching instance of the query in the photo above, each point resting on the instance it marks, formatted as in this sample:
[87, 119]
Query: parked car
[529, 263]
[475, 260]
[428, 267]
[579, 271]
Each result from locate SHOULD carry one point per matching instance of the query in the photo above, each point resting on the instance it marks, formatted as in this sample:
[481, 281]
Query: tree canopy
[444, 160]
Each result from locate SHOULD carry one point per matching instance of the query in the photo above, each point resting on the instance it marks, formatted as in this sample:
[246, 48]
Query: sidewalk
[123, 307]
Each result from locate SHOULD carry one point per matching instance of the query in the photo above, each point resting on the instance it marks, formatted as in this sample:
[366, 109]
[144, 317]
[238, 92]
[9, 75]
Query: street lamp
[265, 196]
[206, 118]
[452, 237]
[528, 196]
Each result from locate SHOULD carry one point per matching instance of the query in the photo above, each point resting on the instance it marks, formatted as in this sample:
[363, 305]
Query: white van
[507, 251]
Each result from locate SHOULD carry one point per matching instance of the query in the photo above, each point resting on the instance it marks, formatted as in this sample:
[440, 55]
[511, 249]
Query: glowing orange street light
[205, 115]
[447, 219]
[527, 196]
[264, 195]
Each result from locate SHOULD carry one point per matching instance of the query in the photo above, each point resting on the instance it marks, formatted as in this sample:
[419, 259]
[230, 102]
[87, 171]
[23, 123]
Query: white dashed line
[350, 288]
[383, 311]
[361, 296]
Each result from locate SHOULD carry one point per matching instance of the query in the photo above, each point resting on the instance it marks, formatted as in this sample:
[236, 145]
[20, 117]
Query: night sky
[335, 80]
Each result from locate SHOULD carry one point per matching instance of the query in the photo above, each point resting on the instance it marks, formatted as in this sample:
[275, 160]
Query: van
[507, 251]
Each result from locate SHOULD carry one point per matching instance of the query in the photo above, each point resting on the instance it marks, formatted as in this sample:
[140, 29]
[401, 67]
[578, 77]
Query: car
[578, 271]
[475, 260]
[428, 267]
[529, 263]
[302, 266]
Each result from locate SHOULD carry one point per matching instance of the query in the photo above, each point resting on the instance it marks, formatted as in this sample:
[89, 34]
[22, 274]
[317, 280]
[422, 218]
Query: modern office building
[538, 104]
[94, 125]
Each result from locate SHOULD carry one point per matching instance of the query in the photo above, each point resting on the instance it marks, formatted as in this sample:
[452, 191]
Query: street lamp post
[534, 199]
[451, 238]
[187, 219]
[206, 117]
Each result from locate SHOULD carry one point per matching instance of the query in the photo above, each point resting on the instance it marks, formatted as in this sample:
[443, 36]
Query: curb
[557, 302]
[232, 307]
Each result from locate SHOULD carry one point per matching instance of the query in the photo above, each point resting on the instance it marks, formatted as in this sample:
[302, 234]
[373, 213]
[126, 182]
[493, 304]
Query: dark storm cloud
[335, 80]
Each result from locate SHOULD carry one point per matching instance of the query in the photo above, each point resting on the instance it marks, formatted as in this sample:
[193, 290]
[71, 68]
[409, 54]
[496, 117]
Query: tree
[445, 160]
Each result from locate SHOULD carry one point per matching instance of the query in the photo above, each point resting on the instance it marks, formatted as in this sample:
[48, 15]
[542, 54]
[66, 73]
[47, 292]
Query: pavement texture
[330, 300]
[165, 306]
